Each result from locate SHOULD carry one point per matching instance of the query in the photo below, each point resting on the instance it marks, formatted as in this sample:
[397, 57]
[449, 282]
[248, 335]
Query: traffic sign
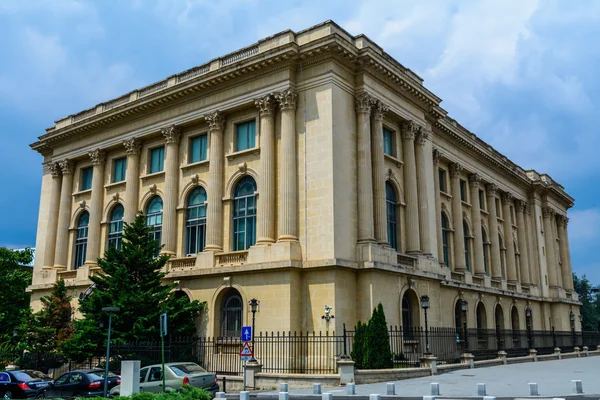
[163, 324]
[246, 333]
[246, 352]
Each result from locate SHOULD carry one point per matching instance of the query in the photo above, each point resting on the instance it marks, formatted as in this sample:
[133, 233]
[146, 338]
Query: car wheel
[40, 396]
[8, 394]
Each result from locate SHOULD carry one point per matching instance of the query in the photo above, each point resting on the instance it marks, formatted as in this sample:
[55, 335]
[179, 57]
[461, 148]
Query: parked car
[80, 383]
[177, 375]
[21, 384]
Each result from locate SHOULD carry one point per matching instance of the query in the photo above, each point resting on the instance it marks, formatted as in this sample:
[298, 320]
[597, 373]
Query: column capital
[409, 130]
[66, 166]
[216, 121]
[54, 169]
[132, 146]
[491, 189]
[363, 103]
[520, 206]
[288, 99]
[98, 156]
[171, 134]
[422, 136]
[548, 212]
[506, 197]
[455, 169]
[266, 105]
[562, 220]
[527, 208]
[379, 109]
[474, 180]
[437, 154]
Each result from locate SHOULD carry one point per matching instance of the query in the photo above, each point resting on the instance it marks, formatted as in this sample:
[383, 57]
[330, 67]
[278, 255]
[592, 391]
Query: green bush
[186, 393]
[377, 353]
[358, 345]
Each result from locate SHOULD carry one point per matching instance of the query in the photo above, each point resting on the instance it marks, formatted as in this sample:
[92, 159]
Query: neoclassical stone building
[308, 169]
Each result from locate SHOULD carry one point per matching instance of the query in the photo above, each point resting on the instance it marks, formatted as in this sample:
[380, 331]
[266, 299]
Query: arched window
[154, 214]
[231, 315]
[485, 251]
[481, 316]
[467, 234]
[244, 214]
[445, 239]
[81, 239]
[195, 223]
[499, 317]
[392, 218]
[514, 319]
[115, 228]
[502, 256]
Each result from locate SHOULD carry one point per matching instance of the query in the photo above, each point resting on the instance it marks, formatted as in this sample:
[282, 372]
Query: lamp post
[253, 307]
[572, 319]
[109, 310]
[528, 322]
[463, 306]
[425, 306]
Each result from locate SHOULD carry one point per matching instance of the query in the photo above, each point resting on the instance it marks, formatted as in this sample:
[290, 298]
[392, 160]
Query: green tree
[358, 345]
[131, 279]
[377, 354]
[590, 302]
[14, 300]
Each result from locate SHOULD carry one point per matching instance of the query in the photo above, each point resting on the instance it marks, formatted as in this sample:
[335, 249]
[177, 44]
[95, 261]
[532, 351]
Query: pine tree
[358, 345]
[378, 354]
[131, 279]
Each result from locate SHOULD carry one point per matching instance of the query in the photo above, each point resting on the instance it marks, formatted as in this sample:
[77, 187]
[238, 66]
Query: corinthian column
[438, 202]
[550, 240]
[420, 141]
[413, 237]
[171, 135]
[288, 183]
[52, 215]
[265, 229]
[214, 214]
[379, 110]
[457, 217]
[64, 215]
[511, 268]
[93, 244]
[565, 257]
[491, 202]
[479, 268]
[523, 248]
[132, 190]
[364, 102]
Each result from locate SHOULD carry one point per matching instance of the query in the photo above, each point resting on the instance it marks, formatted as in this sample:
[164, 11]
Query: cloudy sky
[522, 74]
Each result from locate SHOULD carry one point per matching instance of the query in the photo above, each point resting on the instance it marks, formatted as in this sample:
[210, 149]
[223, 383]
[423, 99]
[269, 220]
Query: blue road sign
[246, 333]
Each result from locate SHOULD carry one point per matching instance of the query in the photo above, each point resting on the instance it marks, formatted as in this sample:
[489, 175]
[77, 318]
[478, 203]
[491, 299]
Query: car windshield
[96, 375]
[26, 376]
[186, 369]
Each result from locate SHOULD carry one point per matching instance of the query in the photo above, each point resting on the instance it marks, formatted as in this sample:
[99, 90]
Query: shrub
[378, 354]
[358, 345]
[186, 393]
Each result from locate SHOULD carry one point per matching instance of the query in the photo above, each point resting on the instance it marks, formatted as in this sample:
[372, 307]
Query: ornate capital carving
[474, 180]
[455, 169]
[98, 156]
[548, 212]
[410, 130]
[266, 105]
[216, 121]
[379, 109]
[66, 166]
[436, 156]
[54, 169]
[171, 134]
[527, 209]
[506, 197]
[422, 136]
[364, 102]
[563, 220]
[520, 206]
[490, 189]
[132, 146]
[288, 99]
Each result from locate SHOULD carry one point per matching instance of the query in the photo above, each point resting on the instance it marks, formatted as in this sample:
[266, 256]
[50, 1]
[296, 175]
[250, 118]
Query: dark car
[22, 384]
[81, 383]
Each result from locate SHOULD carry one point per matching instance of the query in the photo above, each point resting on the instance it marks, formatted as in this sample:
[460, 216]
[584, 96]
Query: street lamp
[425, 306]
[253, 307]
[328, 316]
[528, 322]
[109, 310]
[463, 306]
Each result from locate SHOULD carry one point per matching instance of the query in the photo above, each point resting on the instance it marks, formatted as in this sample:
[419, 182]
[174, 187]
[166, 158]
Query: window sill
[484, 212]
[393, 159]
[254, 150]
[114, 185]
[152, 175]
[464, 203]
[82, 192]
[448, 195]
[193, 165]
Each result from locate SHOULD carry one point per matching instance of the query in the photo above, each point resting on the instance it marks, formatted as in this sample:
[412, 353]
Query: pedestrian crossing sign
[246, 352]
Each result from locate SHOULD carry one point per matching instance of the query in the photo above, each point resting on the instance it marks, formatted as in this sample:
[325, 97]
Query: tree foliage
[14, 300]
[358, 345]
[371, 346]
[590, 302]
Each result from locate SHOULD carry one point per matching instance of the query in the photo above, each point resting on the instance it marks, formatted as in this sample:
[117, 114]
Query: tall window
[467, 233]
[198, 146]
[245, 135]
[157, 159]
[195, 224]
[502, 256]
[86, 178]
[392, 219]
[407, 318]
[388, 142]
[231, 315]
[485, 251]
[81, 239]
[115, 229]
[498, 208]
[445, 239]
[244, 214]
[442, 174]
[119, 169]
[154, 217]
[463, 190]
[481, 200]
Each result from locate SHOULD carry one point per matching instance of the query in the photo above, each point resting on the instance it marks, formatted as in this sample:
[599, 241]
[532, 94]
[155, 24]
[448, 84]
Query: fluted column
[379, 110]
[457, 218]
[132, 190]
[413, 237]
[479, 268]
[214, 212]
[52, 215]
[364, 102]
[288, 182]
[93, 244]
[420, 141]
[171, 135]
[550, 241]
[565, 257]
[523, 247]
[491, 202]
[532, 244]
[511, 268]
[265, 227]
[438, 202]
[64, 215]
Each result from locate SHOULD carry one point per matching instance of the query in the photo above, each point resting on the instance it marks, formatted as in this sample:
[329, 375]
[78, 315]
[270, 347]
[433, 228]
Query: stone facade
[351, 152]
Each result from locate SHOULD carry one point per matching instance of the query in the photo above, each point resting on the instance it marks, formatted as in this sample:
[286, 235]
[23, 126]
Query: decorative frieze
[266, 105]
[171, 134]
[132, 146]
[288, 99]
[66, 166]
[97, 156]
[216, 121]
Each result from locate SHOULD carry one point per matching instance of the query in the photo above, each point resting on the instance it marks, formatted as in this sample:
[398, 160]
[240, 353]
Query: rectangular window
[86, 178]
[245, 135]
[481, 200]
[157, 159]
[442, 174]
[198, 147]
[388, 142]
[119, 169]
[463, 190]
[498, 208]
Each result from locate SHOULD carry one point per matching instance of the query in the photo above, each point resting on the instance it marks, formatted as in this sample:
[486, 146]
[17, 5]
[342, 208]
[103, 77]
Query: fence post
[345, 355]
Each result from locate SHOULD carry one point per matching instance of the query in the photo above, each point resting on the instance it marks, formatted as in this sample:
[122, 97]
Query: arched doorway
[481, 317]
[460, 322]
[499, 321]
[514, 319]
[410, 313]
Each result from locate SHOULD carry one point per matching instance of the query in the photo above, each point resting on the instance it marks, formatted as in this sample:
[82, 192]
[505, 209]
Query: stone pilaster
[550, 241]
[214, 214]
[366, 233]
[98, 158]
[533, 244]
[479, 267]
[523, 243]
[379, 109]
[565, 257]
[511, 267]
[132, 190]
[495, 256]
[438, 202]
[420, 141]
[265, 227]
[53, 211]
[172, 135]
[413, 237]
[64, 215]
[288, 182]
[457, 218]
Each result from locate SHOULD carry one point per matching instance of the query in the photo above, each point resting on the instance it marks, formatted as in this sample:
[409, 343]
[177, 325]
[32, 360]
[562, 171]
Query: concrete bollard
[435, 389]
[391, 389]
[533, 389]
[481, 389]
[283, 387]
[351, 388]
[282, 396]
[489, 397]
[428, 397]
[577, 386]
[220, 395]
[327, 396]
[244, 395]
[317, 388]
[374, 397]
